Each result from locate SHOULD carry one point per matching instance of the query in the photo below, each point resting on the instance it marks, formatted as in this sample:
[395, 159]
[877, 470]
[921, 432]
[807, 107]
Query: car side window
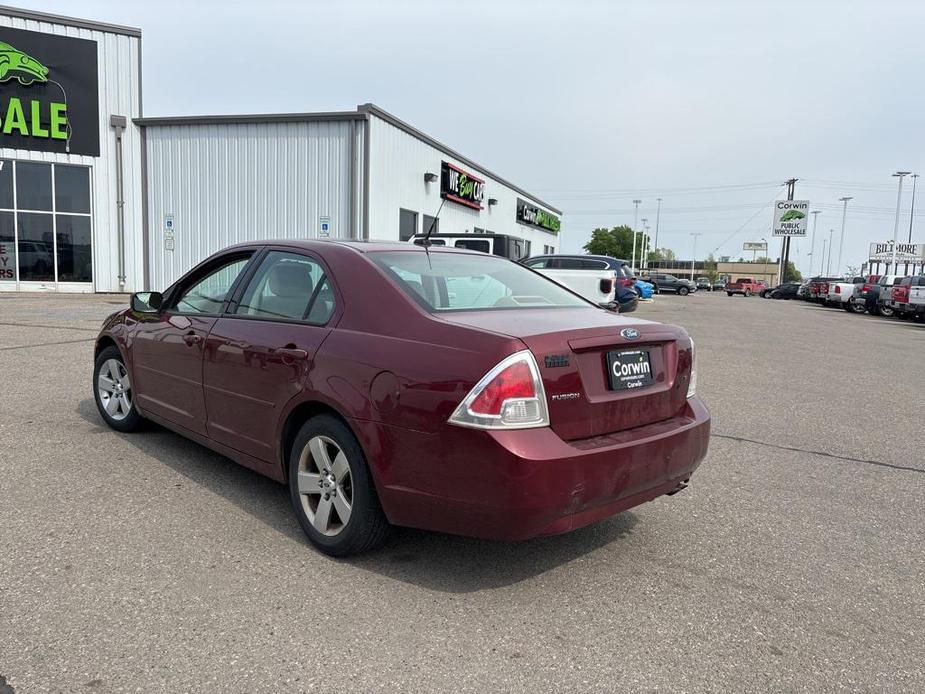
[536, 264]
[288, 286]
[209, 293]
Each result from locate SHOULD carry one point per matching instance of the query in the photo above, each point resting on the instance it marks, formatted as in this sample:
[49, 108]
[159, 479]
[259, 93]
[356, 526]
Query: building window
[45, 223]
[428, 220]
[407, 224]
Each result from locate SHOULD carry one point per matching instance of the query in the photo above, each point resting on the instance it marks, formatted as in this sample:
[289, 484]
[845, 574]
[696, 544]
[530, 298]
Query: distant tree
[616, 242]
[764, 259]
[662, 254]
[854, 270]
[793, 275]
[709, 269]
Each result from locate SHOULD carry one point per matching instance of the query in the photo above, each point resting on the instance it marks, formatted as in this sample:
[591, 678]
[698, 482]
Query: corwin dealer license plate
[629, 369]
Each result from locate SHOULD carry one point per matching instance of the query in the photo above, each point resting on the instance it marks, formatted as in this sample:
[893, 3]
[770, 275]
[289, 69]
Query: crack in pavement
[863, 461]
[50, 327]
[46, 344]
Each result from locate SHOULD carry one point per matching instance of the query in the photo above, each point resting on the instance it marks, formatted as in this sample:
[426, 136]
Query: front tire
[683, 291]
[113, 391]
[748, 292]
[729, 293]
[332, 490]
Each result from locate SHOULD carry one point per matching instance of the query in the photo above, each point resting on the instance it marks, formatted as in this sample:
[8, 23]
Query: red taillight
[515, 381]
[606, 286]
[837, 289]
[627, 282]
[867, 288]
[510, 396]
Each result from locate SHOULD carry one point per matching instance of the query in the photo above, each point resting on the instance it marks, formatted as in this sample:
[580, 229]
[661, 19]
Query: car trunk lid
[577, 349]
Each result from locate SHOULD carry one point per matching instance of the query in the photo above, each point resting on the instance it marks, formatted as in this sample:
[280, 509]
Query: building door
[407, 224]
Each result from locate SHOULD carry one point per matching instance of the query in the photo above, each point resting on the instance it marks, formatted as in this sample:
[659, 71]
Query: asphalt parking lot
[795, 561]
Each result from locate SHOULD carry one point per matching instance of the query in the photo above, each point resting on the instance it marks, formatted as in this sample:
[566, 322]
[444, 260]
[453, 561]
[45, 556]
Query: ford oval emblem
[630, 333]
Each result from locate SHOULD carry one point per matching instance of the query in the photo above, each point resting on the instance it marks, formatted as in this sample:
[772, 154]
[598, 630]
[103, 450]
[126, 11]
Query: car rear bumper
[511, 485]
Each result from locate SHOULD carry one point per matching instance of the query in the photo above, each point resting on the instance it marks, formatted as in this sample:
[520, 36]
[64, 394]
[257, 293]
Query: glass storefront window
[72, 189]
[33, 186]
[75, 260]
[36, 247]
[45, 222]
[7, 247]
[6, 184]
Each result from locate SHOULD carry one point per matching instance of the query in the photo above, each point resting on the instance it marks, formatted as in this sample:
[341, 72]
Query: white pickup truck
[606, 281]
[843, 294]
[917, 300]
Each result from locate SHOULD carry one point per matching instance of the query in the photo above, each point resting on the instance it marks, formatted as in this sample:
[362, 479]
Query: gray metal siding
[118, 58]
[229, 183]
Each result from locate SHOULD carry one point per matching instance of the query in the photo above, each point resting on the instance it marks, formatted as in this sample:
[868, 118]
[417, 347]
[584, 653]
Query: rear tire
[747, 293]
[332, 490]
[683, 291]
[729, 293]
[886, 311]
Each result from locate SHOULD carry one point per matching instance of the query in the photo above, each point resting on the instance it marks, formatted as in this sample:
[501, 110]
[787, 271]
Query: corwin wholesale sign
[537, 217]
[460, 186]
[790, 217]
[49, 93]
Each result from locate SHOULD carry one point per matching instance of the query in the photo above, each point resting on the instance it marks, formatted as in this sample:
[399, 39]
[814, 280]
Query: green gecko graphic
[792, 214]
[14, 64]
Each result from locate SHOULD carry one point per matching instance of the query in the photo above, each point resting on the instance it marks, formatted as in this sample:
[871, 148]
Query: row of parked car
[880, 295]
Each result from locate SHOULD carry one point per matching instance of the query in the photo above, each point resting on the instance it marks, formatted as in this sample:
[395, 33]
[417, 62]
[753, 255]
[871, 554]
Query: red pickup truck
[745, 286]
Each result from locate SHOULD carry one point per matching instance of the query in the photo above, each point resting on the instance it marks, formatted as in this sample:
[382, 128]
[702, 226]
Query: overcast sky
[588, 105]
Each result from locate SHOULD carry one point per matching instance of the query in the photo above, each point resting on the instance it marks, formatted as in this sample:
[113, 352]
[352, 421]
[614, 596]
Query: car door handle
[192, 339]
[292, 353]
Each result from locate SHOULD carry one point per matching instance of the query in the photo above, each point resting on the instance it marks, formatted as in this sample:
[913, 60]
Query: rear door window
[288, 286]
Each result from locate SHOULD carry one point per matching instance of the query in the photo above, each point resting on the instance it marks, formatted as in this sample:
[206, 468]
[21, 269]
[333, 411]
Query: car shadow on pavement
[435, 561]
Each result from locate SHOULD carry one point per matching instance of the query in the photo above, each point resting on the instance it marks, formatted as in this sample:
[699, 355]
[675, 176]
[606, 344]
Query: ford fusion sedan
[389, 384]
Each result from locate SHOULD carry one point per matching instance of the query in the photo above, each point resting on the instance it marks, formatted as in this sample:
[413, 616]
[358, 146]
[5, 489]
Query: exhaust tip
[681, 487]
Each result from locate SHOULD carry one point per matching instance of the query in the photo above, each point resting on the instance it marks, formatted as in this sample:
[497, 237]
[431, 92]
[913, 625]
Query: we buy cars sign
[790, 217]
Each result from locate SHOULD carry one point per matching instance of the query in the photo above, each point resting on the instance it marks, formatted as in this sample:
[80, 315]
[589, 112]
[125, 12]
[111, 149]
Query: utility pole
[658, 213]
[785, 249]
[841, 243]
[642, 244]
[912, 211]
[812, 250]
[823, 257]
[635, 224]
[899, 199]
[828, 262]
[695, 234]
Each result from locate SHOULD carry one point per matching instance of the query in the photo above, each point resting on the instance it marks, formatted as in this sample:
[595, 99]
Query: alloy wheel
[325, 485]
[114, 389]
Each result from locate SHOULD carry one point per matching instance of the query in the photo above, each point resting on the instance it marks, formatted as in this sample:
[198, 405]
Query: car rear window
[460, 282]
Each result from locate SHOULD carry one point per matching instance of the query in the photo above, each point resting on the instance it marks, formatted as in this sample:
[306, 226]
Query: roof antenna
[433, 224]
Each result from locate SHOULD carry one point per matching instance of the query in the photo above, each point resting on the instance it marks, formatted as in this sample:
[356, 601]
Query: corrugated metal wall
[230, 183]
[398, 162]
[119, 85]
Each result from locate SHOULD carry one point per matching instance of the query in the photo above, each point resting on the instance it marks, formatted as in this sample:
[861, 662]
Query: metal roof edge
[234, 119]
[69, 21]
[414, 132]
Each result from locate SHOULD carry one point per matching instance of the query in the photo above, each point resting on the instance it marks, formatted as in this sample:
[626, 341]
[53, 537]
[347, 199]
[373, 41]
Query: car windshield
[461, 281]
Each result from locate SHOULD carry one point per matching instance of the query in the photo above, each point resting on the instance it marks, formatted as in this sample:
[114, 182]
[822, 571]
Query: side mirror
[147, 302]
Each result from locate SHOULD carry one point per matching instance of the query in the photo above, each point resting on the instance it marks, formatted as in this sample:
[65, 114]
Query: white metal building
[60, 186]
[193, 185]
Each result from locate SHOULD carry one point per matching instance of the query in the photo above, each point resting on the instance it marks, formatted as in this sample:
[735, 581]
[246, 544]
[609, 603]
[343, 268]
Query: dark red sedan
[391, 384]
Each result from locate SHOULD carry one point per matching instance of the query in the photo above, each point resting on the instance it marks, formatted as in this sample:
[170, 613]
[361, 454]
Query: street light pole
[765, 275]
[823, 257]
[695, 234]
[812, 250]
[899, 199]
[912, 211]
[642, 244]
[841, 243]
[828, 262]
[635, 224]
[658, 213]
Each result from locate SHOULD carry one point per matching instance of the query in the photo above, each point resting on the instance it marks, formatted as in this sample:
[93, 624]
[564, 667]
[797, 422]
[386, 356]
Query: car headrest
[290, 280]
